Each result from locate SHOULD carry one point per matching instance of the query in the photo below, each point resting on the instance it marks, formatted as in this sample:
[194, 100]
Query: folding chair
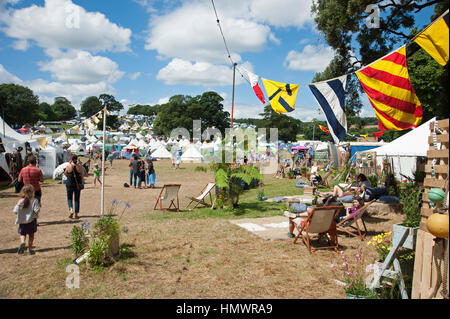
[200, 199]
[324, 181]
[170, 194]
[353, 219]
[321, 221]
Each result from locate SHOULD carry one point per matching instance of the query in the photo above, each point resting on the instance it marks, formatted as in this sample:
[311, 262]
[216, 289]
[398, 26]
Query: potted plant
[290, 175]
[352, 278]
[100, 244]
[410, 196]
[303, 171]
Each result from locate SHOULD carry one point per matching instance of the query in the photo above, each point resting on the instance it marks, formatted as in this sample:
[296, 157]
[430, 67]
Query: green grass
[249, 206]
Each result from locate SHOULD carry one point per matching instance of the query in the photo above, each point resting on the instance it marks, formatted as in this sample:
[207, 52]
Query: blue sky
[145, 51]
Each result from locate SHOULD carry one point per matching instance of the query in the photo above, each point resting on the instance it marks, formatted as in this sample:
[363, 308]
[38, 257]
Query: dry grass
[170, 255]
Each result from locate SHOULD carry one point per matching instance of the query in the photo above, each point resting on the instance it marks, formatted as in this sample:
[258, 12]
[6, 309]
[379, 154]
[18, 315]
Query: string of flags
[386, 82]
[90, 123]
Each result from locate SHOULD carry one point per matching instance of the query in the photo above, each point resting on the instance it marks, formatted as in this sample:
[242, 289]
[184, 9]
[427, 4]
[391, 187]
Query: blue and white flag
[330, 95]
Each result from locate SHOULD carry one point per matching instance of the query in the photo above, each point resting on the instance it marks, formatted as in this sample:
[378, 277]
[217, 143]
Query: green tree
[181, 111]
[46, 112]
[110, 103]
[63, 109]
[343, 24]
[90, 106]
[147, 110]
[20, 105]
[288, 127]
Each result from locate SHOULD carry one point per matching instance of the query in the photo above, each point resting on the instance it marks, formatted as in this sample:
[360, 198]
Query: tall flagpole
[103, 164]
[232, 99]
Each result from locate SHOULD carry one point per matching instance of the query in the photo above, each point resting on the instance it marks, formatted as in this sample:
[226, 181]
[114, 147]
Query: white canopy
[405, 150]
[161, 153]
[191, 155]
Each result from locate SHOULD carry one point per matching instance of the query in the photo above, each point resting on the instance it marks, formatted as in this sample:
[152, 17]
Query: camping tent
[162, 153]
[191, 155]
[405, 150]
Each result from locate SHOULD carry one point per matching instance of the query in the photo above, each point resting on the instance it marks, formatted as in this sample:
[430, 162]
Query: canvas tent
[406, 150]
[162, 153]
[191, 155]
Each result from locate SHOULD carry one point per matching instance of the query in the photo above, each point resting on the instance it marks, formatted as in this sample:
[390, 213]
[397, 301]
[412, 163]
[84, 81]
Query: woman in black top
[74, 185]
[151, 175]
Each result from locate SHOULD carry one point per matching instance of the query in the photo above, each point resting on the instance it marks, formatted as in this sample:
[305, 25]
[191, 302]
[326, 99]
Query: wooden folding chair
[352, 222]
[324, 181]
[170, 194]
[321, 221]
[200, 199]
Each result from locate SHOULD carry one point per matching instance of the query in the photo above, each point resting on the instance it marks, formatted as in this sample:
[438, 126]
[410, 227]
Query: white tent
[161, 153]
[405, 150]
[191, 155]
[142, 144]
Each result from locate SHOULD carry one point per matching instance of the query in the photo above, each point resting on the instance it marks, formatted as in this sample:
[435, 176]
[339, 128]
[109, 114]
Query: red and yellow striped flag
[387, 84]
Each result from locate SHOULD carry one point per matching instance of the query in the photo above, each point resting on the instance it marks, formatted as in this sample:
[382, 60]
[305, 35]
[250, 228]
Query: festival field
[191, 254]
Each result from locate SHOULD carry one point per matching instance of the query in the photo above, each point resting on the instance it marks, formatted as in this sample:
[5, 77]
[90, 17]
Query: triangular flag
[330, 95]
[323, 129]
[42, 142]
[435, 39]
[100, 115]
[387, 84]
[106, 111]
[95, 119]
[253, 78]
[76, 128]
[64, 136]
[89, 124]
[282, 96]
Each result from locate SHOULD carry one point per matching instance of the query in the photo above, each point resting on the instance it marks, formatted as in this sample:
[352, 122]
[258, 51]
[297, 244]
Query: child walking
[97, 174]
[27, 211]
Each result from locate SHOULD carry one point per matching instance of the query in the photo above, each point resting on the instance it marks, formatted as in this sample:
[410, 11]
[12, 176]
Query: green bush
[79, 240]
[411, 197]
[201, 169]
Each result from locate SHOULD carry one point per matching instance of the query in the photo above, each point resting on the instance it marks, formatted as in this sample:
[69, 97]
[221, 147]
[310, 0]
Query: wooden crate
[429, 260]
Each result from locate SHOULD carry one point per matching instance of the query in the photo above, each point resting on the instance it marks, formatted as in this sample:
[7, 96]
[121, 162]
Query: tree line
[21, 106]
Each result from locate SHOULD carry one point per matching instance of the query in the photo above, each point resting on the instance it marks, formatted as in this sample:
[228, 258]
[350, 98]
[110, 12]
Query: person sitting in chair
[361, 183]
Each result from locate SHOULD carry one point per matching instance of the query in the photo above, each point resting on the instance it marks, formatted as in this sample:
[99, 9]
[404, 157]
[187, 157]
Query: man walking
[32, 175]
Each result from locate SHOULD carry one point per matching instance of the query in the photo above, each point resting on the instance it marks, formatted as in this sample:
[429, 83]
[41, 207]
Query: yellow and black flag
[434, 39]
[282, 96]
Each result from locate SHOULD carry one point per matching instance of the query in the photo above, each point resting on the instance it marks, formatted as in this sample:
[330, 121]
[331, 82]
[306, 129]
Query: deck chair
[168, 193]
[200, 199]
[322, 222]
[352, 222]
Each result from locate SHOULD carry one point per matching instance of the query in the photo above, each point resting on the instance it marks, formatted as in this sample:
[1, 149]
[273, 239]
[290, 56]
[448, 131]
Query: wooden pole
[232, 99]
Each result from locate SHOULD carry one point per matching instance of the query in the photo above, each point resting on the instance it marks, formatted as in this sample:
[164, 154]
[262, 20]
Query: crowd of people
[142, 171]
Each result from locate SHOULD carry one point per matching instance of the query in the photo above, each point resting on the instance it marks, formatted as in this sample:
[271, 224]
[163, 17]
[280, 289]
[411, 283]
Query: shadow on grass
[126, 252]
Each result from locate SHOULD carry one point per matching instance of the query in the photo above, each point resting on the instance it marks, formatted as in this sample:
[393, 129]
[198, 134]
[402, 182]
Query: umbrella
[57, 173]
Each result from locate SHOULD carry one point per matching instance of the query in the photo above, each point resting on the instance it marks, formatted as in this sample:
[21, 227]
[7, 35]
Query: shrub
[79, 240]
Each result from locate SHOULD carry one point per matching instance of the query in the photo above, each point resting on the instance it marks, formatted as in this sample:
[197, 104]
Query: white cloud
[180, 71]
[312, 58]
[81, 67]
[6, 77]
[190, 32]
[62, 24]
[282, 13]
[163, 100]
[134, 76]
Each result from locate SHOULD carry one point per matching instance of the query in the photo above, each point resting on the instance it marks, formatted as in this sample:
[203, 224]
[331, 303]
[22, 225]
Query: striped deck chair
[322, 222]
[169, 193]
[352, 222]
[200, 199]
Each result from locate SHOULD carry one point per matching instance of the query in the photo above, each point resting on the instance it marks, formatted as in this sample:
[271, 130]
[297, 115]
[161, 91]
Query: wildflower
[86, 225]
[125, 229]
[333, 266]
[114, 202]
[126, 205]
[348, 273]
[358, 256]
[344, 264]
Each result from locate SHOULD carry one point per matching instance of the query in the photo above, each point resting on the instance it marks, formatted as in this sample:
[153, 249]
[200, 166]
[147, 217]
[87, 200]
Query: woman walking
[74, 185]
[151, 175]
[27, 211]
